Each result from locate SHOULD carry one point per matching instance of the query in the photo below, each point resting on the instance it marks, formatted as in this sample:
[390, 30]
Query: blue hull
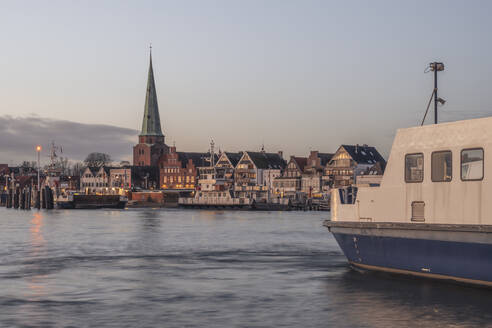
[462, 261]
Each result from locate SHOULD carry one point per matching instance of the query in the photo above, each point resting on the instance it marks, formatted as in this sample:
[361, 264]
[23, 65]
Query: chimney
[281, 154]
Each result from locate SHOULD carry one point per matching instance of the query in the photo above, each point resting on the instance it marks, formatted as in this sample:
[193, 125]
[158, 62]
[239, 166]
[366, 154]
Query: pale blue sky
[294, 75]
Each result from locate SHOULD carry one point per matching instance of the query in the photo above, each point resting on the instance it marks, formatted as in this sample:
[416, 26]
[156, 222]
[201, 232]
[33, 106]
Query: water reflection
[386, 300]
[37, 239]
[36, 281]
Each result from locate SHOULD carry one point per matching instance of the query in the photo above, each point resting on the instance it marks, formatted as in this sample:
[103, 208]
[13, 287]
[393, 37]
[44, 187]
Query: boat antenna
[428, 105]
[434, 67]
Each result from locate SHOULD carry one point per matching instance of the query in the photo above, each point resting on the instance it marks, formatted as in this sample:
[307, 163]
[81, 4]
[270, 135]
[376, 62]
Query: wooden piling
[43, 198]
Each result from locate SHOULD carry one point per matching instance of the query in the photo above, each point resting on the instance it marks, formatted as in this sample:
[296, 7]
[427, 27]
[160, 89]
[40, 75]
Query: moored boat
[431, 215]
[82, 201]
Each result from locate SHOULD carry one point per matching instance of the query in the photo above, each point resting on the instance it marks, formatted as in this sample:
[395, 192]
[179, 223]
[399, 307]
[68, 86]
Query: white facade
[311, 184]
[460, 194]
[94, 181]
[269, 177]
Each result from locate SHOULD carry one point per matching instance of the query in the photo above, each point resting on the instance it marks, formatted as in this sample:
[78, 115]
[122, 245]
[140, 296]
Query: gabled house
[372, 176]
[220, 177]
[255, 172]
[95, 179]
[289, 183]
[312, 183]
[349, 161]
[179, 170]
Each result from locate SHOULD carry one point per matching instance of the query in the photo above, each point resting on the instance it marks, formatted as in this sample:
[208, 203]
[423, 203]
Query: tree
[76, 168]
[97, 159]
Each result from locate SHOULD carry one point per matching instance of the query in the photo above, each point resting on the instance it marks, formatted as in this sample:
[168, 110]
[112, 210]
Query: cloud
[20, 135]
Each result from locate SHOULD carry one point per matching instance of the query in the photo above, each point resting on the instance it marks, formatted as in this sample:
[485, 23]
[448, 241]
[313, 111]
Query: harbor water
[186, 268]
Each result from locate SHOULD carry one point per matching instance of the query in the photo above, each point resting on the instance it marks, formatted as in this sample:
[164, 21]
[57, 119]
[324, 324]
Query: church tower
[151, 143]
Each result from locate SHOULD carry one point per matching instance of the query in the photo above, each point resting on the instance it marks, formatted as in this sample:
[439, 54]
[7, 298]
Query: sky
[290, 75]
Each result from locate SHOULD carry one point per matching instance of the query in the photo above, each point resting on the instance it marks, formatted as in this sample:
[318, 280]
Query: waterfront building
[255, 173]
[151, 142]
[71, 182]
[224, 170]
[372, 176]
[312, 182]
[349, 161]
[179, 170]
[95, 179]
[120, 178]
[289, 183]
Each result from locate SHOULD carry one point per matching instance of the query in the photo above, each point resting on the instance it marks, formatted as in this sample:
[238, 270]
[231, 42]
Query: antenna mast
[212, 158]
[436, 67]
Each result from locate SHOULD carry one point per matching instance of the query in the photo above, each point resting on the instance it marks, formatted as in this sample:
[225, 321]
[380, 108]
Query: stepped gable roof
[301, 162]
[234, 157]
[364, 154]
[264, 160]
[198, 159]
[325, 158]
[151, 124]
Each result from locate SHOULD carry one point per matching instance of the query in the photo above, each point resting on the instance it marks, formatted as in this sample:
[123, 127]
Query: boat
[431, 216]
[214, 199]
[83, 201]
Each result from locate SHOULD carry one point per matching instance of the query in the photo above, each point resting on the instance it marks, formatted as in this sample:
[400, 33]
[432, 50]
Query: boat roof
[466, 133]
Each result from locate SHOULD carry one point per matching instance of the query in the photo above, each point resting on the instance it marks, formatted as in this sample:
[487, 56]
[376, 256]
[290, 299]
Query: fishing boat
[431, 216]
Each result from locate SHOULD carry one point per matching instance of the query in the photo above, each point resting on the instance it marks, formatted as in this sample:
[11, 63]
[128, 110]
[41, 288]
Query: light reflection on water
[174, 268]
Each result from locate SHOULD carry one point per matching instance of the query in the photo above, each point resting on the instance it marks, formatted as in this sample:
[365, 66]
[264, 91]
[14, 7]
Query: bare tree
[76, 168]
[97, 159]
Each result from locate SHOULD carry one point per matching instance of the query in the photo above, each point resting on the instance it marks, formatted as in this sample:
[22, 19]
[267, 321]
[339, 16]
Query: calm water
[174, 268]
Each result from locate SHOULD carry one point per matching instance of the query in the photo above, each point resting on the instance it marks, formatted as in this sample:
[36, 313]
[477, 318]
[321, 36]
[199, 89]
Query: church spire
[151, 125]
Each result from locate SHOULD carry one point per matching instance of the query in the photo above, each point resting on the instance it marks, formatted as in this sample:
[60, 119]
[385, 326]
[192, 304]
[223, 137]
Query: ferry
[431, 216]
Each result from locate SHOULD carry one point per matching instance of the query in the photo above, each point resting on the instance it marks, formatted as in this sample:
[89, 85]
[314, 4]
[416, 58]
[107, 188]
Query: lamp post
[38, 150]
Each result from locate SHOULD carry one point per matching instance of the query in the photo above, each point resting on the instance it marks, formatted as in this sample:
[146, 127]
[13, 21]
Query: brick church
[151, 144]
[162, 165]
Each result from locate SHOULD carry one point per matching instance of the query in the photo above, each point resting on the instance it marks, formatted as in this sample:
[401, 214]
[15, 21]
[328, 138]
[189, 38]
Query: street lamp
[38, 150]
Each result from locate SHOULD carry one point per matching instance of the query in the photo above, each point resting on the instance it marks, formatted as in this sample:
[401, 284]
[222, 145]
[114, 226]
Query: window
[441, 166]
[414, 167]
[472, 164]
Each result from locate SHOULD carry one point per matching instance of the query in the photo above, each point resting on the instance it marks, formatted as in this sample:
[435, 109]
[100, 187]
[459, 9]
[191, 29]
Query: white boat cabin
[435, 174]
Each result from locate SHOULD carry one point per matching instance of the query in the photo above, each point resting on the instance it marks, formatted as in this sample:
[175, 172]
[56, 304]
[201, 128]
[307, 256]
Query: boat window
[414, 167]
[472, 164]
[441, 166]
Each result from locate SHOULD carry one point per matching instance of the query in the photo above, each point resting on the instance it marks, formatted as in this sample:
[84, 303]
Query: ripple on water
[172, 268]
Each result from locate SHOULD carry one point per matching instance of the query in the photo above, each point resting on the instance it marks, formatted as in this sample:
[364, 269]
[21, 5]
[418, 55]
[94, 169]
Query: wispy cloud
[19, 135]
